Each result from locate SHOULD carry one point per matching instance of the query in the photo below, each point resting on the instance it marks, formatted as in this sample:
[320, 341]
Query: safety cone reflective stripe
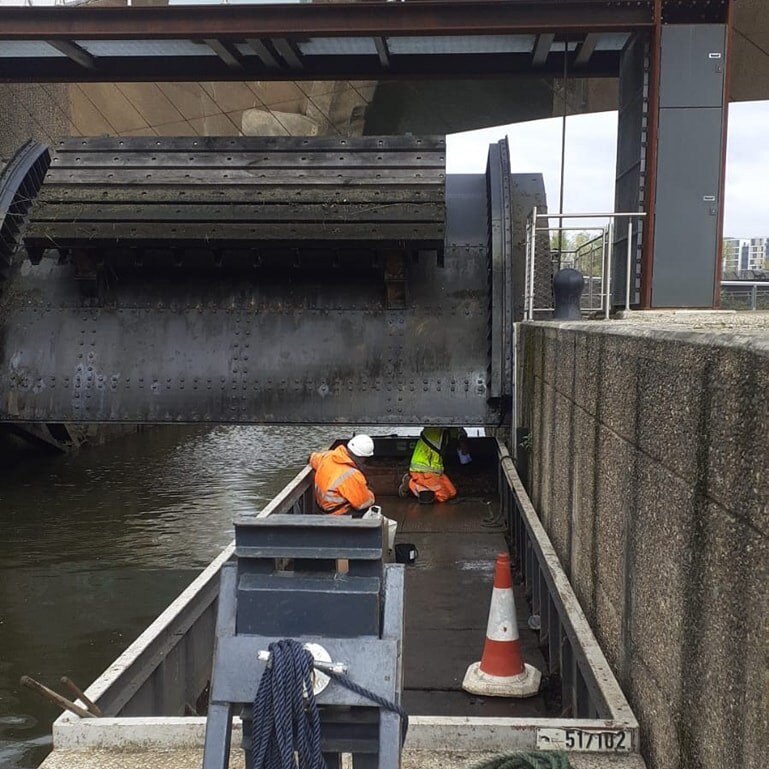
[502, 671]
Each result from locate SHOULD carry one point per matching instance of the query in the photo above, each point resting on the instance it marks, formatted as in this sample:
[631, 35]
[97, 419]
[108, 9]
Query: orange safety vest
[340, 487]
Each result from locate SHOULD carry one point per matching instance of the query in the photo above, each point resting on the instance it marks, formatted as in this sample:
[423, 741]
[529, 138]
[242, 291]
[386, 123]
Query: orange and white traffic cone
[502, 671]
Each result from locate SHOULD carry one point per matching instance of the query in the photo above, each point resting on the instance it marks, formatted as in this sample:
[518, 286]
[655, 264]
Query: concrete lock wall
[648, 466]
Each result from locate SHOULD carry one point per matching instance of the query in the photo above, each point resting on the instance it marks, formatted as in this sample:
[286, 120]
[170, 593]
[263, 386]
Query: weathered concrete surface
[648, 467]
[192, 759]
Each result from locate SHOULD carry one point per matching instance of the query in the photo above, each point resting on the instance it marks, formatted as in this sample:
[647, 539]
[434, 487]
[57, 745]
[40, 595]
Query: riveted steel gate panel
[395, 333]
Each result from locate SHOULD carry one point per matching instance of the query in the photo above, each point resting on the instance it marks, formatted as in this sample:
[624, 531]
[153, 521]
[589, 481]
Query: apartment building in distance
[742, 254]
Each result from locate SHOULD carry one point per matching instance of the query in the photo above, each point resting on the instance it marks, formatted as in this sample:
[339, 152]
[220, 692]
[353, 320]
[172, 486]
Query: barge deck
[447, 602]
[154, 695]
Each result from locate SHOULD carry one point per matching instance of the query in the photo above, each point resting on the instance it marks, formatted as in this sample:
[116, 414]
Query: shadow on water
[94, 545]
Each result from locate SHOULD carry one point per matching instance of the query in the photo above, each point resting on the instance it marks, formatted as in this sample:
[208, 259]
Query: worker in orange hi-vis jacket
[340, 485]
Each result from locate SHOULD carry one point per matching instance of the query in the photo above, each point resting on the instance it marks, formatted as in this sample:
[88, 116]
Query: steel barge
[155, 695]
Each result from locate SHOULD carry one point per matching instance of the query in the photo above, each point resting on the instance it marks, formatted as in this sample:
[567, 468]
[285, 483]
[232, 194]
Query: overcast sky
[591, 142]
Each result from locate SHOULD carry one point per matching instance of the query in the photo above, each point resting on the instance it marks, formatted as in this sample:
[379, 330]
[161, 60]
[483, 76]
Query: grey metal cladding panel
[686, 225]
[289, 604]
[692, 69]
[137, 365]
[466, 210]
[371, 663]
[527, 191]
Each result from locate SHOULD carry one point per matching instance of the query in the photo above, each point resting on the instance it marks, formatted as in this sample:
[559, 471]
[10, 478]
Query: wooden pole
[52, 696]
[75, 689]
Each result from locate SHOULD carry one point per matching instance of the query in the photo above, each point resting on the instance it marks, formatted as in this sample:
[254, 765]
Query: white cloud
[535, 146]
[747, 170]
[591, 142]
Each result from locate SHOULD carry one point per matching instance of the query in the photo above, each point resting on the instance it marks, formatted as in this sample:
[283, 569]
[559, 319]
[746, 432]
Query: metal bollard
[567, 291]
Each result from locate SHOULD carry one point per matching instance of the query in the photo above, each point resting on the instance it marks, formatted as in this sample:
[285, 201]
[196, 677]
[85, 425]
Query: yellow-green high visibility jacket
[427, 456]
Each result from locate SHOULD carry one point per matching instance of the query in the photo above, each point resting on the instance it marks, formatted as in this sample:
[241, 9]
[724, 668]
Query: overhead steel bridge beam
[279, 21]
[369, 40]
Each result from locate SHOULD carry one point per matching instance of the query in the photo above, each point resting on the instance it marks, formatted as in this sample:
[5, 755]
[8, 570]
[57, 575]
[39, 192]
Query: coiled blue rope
[286, 726]
[285, 720]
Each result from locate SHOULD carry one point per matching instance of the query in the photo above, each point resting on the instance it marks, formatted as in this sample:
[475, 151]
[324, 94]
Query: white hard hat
[361, 446]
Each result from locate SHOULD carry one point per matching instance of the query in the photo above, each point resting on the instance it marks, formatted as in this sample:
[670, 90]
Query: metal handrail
[751, 287]
[614, 215]
[607, 231]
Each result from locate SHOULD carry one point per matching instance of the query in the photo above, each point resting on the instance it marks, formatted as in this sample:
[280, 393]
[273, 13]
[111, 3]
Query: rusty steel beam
[722, 188]
[453, 17]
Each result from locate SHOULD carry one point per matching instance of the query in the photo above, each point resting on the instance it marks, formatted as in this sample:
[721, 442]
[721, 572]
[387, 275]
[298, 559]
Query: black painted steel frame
[272, 33]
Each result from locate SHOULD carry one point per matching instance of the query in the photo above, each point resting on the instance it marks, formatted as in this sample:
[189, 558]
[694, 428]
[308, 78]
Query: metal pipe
[569, 229]
[526, 270]
[599, 264]
[629, 260]
[588, 242]
[533, 262]
[610, 215]
[590, 287]
[609, 254]
[515, 383]
[563, 146]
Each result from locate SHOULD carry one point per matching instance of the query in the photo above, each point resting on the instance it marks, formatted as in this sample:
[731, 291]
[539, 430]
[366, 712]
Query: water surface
[96, 544]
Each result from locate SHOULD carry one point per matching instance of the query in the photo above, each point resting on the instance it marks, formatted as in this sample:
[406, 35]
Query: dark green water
[94, 545]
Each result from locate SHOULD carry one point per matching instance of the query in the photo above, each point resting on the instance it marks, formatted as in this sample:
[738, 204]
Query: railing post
[754, 297]
[609, 249]
[629, 260]
[527, 268]
[604, 246]
[533, 261]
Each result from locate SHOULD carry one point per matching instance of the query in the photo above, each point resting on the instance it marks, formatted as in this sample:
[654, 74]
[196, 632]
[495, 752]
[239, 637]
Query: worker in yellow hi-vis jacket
[427, 479]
